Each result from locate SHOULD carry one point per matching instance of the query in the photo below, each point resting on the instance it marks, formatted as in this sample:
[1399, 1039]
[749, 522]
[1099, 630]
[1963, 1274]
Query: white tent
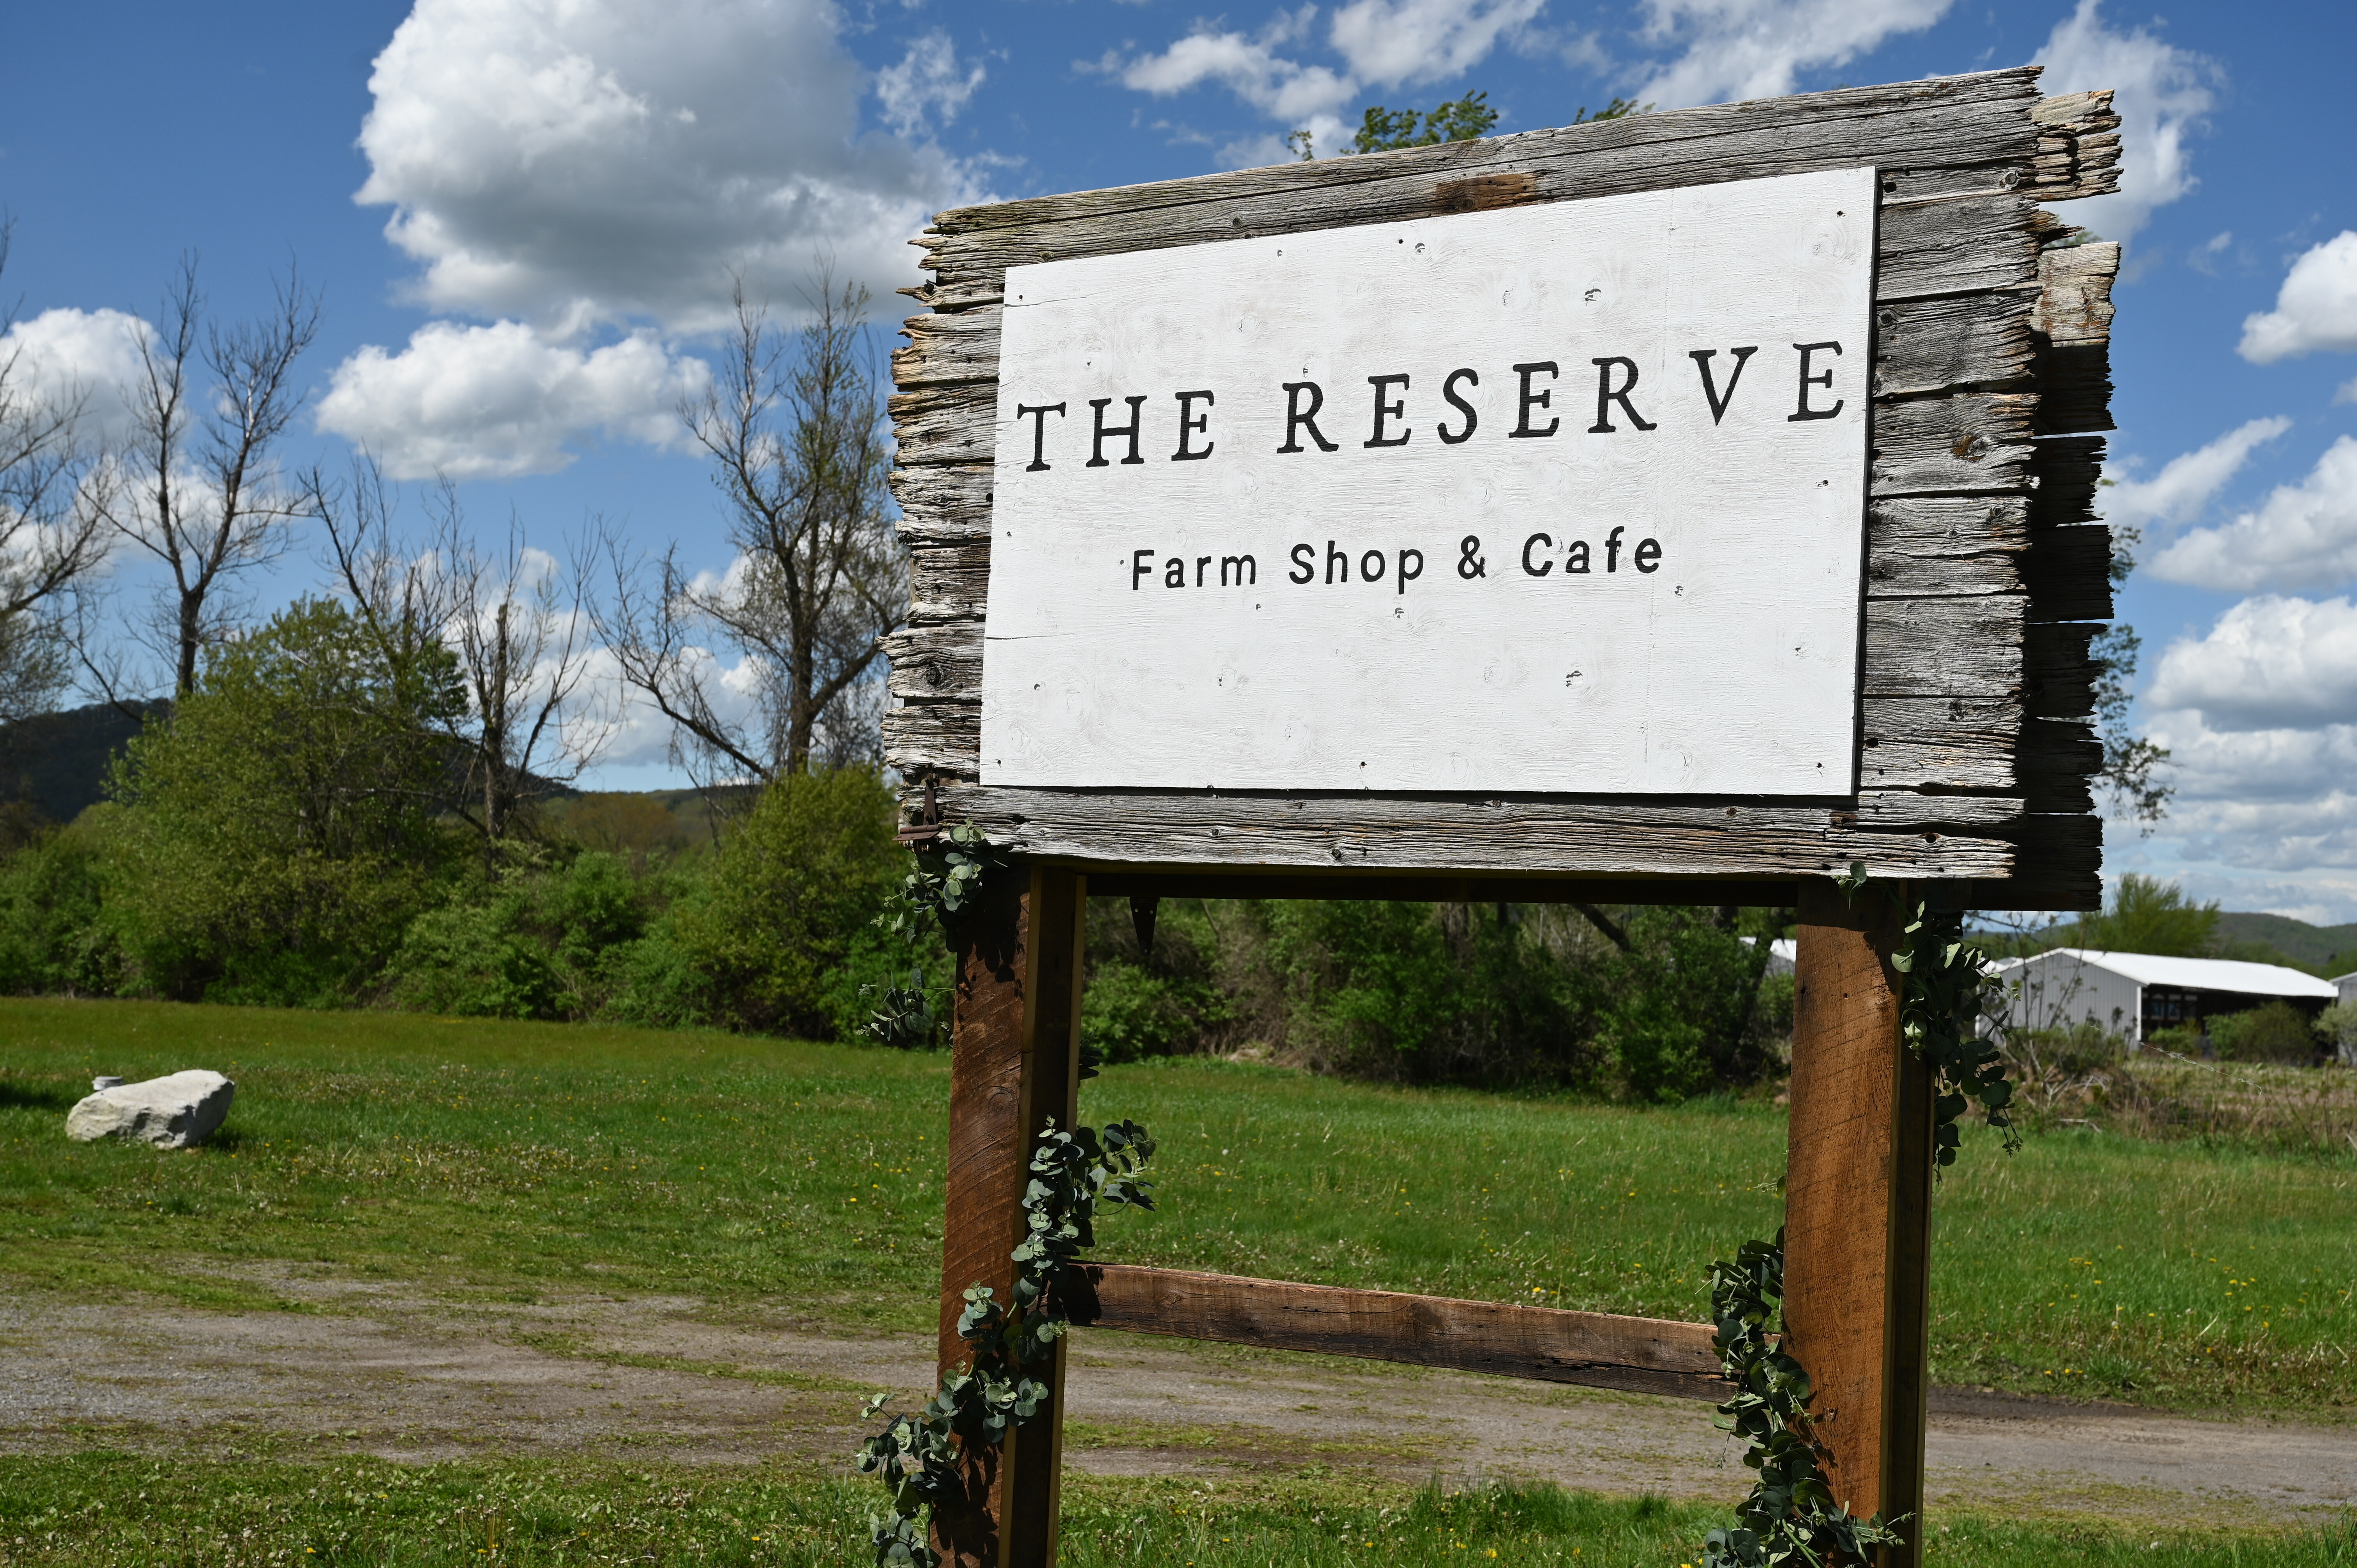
[2134, 993]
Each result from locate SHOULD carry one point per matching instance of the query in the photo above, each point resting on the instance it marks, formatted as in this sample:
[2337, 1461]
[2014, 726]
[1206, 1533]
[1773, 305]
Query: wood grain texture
[2078, 146]
[1976, 130]
[1095, 828]
[1012, 1065]
[2073, 328]
[1444, 887]
[948, 504]
[1855, 1220]
[1641, 1355]
[1945, 547]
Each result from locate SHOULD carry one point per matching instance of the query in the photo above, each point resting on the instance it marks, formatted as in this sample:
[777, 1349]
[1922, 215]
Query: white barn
[2134, 993]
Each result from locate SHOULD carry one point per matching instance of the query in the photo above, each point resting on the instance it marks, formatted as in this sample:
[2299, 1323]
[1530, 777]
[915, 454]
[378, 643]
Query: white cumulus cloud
[480, 401]
[2269, 663]
[2316, 309]
[2162, 94]
[1734, 49]
[63, 357]
[1382, 43]
[2176, 495]
[2303, 536]
[571, 162]
[1407, 41]
[927, 84]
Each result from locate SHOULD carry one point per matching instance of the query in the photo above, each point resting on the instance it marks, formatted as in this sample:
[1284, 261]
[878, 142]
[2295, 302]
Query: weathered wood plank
[2068, 571]
[2073, 328]
[1857, 1206]
[2065, 471]
[2060, 682]
[948, 347]
[1935, 244]
[1973, 443]
[1948, 743]
[1945, 545]
[948, 582]
[942, 504]
[2078, 146]
[1954, 343]
[1304, 882]
[2060, 760]
[1643, 1354]
[954, 423]
[1955, 245]
[1944, 648]
[943, 739]
[1977, 129]
[1908, 810]
[1449, 833]
[1958, 122]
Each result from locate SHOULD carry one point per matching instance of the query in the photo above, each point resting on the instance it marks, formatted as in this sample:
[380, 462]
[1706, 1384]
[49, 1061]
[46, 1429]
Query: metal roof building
[2134, 993]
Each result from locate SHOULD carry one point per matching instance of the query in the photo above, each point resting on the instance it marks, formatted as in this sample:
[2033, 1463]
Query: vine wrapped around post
[916, 1455]
[943, 884]
[1790, 1516]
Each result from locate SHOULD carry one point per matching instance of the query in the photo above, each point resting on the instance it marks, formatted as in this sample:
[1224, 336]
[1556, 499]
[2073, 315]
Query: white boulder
[174, 1112]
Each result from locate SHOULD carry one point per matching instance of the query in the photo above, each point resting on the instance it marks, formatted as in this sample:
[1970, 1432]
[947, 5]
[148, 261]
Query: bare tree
[196, 485]
[796, 433]
[512, 619]
[49, 540]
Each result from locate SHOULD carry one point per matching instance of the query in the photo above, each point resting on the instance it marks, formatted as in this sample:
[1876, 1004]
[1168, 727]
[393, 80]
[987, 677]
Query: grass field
[115, 1510]
[516, 1158]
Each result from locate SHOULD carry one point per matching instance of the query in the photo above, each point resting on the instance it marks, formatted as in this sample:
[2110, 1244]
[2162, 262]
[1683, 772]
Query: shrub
[53, 936]
[2277, 1032]
[783, 939]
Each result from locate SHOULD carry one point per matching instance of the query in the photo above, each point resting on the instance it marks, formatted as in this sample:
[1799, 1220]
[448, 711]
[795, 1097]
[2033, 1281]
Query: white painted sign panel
[1562, 497]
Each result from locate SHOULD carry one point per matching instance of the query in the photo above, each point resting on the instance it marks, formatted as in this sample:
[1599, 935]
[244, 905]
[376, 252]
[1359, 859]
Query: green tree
[782, 935]
[1465, 119]
[2147, 915]
[281, 827]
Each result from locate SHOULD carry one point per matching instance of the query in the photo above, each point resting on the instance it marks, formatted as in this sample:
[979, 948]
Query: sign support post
[1857, 1208]
[1014, 1066]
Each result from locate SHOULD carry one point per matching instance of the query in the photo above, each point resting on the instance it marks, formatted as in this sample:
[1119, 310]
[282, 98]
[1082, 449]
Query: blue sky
[523, 213]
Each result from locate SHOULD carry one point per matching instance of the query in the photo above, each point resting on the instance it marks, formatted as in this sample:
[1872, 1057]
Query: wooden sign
[1929, 549]
[1562, 497]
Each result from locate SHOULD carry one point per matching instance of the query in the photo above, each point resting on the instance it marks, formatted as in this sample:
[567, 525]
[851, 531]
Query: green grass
[111, 1510]
[518, 1158]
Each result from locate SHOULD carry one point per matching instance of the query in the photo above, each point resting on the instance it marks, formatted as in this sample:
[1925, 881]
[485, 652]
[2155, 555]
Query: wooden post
[1013, 1064]
[1857, 1207]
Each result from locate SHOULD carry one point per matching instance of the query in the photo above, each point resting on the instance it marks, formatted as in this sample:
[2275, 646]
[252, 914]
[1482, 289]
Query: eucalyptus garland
[917, 1454]
[943, 884]
[1790, 1516]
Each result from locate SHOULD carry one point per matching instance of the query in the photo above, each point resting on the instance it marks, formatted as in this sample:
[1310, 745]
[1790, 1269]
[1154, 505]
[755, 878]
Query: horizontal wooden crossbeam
[1641, 1355]
[1752, 892]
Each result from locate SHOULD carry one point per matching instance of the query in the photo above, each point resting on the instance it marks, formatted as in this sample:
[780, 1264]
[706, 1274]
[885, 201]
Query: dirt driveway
[392, 1372]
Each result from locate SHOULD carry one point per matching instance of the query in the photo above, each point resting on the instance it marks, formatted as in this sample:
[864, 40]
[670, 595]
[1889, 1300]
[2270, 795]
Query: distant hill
[57, 763]
[2331, 948]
